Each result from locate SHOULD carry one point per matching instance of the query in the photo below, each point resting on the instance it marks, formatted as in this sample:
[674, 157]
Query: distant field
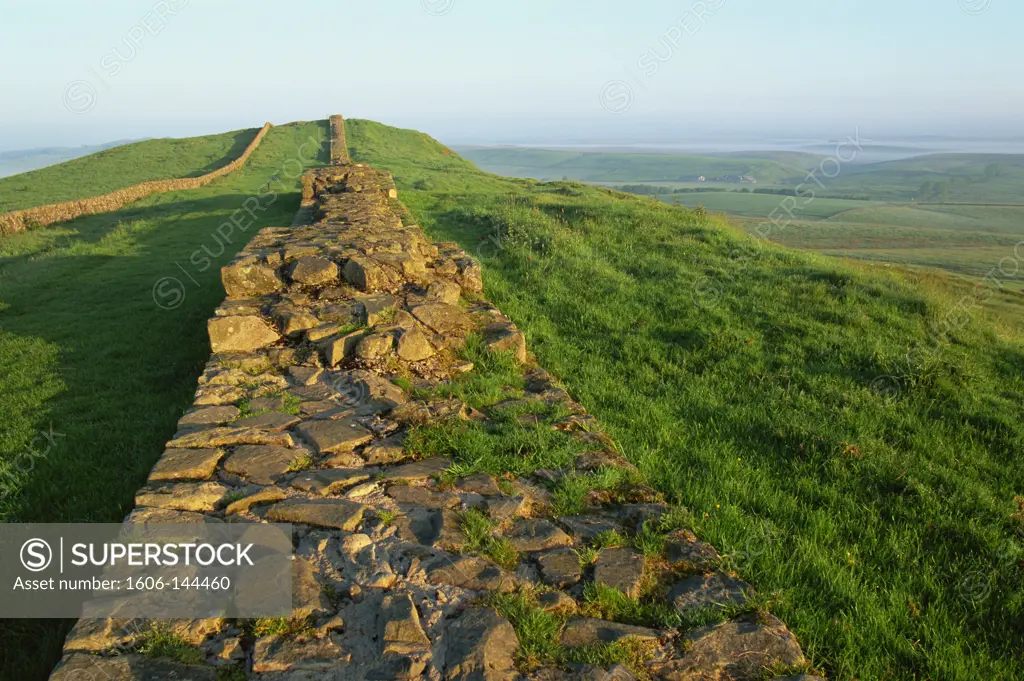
[966, 177]
[123, 166]
[602, 167]
[763, 205]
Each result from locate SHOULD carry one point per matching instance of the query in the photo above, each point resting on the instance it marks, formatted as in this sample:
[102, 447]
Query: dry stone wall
[334, 343]
[19, 220]
[339, 148]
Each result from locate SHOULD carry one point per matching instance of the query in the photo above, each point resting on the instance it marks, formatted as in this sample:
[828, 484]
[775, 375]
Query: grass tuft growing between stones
[630, 652]
[570, 494]
[479, 532]
[609, 539]
[302, 463]
[158, 641]
[498, 448]
[605, 602]
[539, 634]
[280, 626]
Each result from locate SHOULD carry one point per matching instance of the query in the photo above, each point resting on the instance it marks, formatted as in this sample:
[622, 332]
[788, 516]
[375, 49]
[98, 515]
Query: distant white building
[701, 178]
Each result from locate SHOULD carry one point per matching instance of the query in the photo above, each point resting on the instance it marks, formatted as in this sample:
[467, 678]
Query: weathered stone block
[250, 280]
[228, 334]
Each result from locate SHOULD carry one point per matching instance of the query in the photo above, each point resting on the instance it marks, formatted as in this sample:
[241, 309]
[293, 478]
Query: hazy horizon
[472, 73]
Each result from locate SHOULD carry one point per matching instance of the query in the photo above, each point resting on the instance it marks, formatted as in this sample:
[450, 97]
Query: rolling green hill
[860, 465]
[848, 434]
[961, 213]
[25, 160]
[122, 166]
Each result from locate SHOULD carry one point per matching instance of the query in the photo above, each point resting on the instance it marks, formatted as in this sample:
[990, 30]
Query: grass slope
[121, 167]
[92, 364]
[871, 498]
[24, 160]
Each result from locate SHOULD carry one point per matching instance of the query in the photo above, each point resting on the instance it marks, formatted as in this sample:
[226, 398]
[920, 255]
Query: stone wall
[337, 341]
[339, 148]
[16, 221]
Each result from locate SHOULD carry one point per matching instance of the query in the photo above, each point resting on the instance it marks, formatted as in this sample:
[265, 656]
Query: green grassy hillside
[849, 437]
[961, 213]
[102, 336]
[24, 160]
[123, 166]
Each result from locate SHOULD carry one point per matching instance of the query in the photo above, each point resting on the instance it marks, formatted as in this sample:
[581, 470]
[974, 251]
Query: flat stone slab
[587, 527]
[275, 403]
[388, 450]
[262, 464]
[183, 496]
[714, 590]
[240, 334]
[286, 654]
[399, 626]
[560, 568]
[442, 318]
[331, 437]
[186, 464]
[586, 631]
[339, 514]
[249, 280]
[419, 470]
[419, 525]
[682, 546]
[313, 393]
[224, 437]
[313, 271]
[83, 667]
[421, 496]
[304, 375]
[332, 481]
[503, 508]
[208, 416]
[413, 346]
[273, 421]
[166, 516]
[620, 568]
[557, 601]
[532, 534]
[308, 598]
[267, 495]
[479, 483]
[481, 647]
[469, 572]
[741, 649]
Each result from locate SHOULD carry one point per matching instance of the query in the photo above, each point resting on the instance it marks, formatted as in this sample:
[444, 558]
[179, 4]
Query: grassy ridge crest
[847, 433]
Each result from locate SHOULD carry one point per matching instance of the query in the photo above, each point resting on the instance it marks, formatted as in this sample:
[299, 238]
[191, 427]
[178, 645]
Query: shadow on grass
[238, 145]
[78, 318]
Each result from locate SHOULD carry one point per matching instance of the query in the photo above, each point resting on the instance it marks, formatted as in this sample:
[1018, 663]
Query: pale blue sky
[497, 71]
